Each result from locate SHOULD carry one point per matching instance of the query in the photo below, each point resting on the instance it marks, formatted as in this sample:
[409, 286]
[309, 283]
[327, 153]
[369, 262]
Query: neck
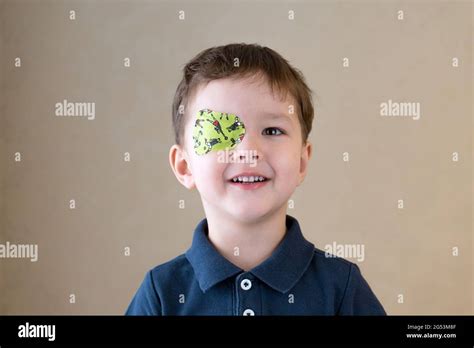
[246, 244]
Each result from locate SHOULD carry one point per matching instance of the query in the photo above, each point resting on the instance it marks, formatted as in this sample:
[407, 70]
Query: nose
[249, 148]
[252, 154]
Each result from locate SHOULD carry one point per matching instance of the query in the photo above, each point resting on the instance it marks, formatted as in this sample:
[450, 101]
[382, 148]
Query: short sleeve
[146, 300]
[358, 298]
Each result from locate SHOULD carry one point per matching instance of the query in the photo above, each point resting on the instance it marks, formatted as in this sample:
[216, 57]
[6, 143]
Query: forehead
[240, 96]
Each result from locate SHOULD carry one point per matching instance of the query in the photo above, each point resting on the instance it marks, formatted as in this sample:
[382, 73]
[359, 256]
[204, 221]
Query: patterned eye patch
[215, 131]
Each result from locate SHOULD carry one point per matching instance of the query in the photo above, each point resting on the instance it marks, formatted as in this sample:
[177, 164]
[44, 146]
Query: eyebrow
[276, 116]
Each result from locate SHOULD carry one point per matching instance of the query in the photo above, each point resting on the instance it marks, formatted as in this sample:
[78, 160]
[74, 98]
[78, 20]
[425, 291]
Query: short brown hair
[219, 62]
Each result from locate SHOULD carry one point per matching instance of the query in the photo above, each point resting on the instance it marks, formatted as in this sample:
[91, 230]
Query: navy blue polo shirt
[296, 279]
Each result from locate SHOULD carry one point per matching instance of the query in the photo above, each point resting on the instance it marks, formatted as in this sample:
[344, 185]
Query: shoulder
[333, 260]
[336, 270]
[175, 268]
[345, 277]
[148, 297]
[333, 266]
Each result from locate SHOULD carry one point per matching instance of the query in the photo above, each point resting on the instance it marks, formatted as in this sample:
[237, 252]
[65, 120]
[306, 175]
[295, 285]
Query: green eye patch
[215, 131]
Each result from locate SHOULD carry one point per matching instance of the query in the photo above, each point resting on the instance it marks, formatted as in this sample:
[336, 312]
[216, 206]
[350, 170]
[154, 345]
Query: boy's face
[271, 147]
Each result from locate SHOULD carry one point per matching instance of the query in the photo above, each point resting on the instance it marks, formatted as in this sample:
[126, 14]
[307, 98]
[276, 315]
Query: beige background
[135, 204]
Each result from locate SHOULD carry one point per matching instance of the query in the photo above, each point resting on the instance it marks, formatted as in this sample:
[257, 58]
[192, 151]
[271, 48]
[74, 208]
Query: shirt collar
[281, 270]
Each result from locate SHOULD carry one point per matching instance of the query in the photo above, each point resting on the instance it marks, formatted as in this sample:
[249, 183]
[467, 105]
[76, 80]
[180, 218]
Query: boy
[245, 148]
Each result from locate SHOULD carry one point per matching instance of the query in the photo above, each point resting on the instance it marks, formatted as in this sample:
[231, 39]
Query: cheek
[207, 172]
[286, 164]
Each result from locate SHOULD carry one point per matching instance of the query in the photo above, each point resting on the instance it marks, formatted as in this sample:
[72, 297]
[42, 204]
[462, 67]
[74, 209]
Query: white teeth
[248, 179]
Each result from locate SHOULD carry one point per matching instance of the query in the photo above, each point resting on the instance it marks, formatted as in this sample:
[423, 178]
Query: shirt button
[248, 311]
[246, 284]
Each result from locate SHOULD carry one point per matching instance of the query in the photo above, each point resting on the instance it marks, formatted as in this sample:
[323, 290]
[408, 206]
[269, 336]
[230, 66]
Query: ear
[306, 152]
[180, 165]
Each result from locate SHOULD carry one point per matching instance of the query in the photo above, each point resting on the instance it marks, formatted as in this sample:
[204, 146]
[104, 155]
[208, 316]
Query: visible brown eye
[273, 131]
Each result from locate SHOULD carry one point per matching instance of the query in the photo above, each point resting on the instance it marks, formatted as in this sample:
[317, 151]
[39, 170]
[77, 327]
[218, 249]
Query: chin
[248, 214]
